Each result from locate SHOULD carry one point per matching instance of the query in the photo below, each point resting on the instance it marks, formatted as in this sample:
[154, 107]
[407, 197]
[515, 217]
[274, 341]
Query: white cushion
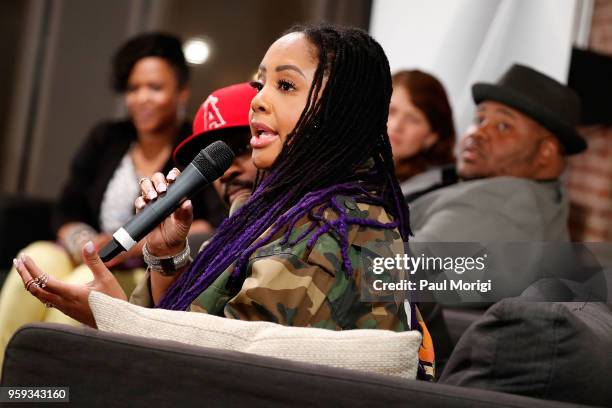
[376, 351]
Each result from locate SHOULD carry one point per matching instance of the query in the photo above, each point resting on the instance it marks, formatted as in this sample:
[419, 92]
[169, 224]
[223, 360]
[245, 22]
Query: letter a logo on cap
[212, 115]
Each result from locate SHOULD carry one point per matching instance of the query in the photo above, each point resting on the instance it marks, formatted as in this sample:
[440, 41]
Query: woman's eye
[412, 119]
[256, 85]
[286, 85]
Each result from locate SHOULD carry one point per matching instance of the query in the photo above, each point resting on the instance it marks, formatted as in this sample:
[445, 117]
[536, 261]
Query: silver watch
[167, 265]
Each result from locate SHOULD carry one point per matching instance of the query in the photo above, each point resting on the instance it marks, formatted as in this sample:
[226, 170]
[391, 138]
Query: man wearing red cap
[224, 115]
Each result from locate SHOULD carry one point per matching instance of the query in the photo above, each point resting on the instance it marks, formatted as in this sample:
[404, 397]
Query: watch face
[167, 265]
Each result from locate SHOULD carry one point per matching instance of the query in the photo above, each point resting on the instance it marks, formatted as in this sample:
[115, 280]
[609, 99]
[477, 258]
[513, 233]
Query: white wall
[467, 41]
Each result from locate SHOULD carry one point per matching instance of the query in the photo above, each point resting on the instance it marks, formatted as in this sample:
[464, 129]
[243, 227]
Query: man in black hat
[508, 190]
[509, 163]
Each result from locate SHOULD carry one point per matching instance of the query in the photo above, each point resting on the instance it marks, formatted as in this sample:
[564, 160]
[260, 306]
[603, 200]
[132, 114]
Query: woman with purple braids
[291, 254]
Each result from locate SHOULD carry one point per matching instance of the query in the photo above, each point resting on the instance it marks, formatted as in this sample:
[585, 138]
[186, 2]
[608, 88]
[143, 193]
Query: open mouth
[470, 155]
[262, 135]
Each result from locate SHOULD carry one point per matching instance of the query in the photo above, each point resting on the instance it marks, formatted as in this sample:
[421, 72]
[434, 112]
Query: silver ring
[142, 179]
[29, 283]
[42, 280]
[49, 305]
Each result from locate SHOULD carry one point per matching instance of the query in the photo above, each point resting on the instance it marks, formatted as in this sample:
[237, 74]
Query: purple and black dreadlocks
[335, 135]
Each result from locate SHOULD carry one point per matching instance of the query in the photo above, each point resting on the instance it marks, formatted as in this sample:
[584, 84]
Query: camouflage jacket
[294, 286]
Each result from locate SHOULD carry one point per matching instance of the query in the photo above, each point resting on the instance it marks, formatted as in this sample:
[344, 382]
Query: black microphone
[208, 165]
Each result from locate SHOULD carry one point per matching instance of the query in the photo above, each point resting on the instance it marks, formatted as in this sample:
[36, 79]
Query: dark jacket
[93, 167]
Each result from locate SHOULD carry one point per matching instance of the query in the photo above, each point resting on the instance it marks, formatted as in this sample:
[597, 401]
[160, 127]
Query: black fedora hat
[553, 105]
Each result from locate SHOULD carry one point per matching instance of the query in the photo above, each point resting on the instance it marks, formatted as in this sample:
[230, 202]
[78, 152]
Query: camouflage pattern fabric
[293, 286]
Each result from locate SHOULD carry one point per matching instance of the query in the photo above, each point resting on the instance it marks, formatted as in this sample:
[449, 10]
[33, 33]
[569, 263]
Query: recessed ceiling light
[196, 51]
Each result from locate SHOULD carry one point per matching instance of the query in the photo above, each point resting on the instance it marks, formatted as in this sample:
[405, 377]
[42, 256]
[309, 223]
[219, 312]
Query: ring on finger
[32, 283]
[42, 280]
[142, 179]
[28, 283]
[49, 305]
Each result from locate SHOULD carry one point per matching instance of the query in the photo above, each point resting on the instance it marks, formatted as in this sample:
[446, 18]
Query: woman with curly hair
[151, 73]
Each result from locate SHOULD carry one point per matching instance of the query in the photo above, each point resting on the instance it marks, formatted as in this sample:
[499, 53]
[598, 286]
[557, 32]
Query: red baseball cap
[225, 109]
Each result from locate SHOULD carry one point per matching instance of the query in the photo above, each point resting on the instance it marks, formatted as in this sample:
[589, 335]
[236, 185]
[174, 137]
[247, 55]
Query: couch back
[104, 369]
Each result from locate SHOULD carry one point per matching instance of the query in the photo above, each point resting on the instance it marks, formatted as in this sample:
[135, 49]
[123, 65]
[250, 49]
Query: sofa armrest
[105, 369]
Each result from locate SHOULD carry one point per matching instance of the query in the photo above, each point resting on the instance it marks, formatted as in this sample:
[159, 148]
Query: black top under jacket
[93, 167]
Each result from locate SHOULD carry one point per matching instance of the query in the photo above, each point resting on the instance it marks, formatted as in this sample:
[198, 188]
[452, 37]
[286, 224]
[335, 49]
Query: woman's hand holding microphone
[165, 243]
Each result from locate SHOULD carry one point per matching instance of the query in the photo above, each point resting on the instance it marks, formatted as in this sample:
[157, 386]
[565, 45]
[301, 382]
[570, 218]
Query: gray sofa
[110, 370]
[551, 351]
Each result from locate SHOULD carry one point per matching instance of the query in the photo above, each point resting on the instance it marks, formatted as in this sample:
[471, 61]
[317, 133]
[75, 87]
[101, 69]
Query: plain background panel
[466, 41]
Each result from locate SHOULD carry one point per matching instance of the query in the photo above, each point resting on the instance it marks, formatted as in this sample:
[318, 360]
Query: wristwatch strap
[168, 265]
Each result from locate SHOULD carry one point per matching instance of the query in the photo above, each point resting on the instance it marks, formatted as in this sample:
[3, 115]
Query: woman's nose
[258, 103]
[142, 95]
[393, 124]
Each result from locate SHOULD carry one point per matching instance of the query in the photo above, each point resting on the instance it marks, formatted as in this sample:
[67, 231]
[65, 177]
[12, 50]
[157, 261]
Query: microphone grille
[213, 160]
